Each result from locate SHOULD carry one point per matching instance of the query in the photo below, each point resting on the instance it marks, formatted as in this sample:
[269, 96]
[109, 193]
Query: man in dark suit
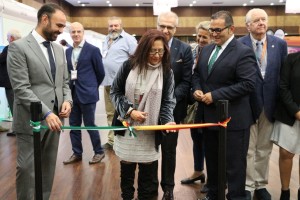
[12, 35]
[87, 72]
[270, 58]
[225, 71]
[182, 63]
[37, 70]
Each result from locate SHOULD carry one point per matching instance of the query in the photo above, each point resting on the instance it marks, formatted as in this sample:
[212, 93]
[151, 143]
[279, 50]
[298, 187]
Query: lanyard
[75, 59]
[263, 53]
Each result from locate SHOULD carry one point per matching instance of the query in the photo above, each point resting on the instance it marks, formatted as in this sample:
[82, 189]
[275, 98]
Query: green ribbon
[131, 132]
[115, 128]
[36, 126]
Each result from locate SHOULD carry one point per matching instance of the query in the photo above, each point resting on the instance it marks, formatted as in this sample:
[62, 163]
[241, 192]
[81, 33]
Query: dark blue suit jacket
[266, 91]
[232, 78]
[90, 73]
[182, 64]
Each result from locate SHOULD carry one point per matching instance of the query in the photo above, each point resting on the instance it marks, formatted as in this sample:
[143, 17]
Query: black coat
[4, 78]
[289, 101]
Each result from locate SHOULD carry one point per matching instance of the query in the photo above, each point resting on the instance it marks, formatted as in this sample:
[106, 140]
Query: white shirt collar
[37, 37]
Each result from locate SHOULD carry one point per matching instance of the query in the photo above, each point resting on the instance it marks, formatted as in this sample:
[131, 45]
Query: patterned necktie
[51, 59]
[213, 59]
[258, 51]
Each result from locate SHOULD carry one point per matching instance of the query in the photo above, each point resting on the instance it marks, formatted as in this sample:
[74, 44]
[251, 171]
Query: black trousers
[168, 160]
[236, 163]
[147, 190]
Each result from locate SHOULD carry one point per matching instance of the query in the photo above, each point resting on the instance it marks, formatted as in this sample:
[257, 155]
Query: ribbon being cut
[37, 126]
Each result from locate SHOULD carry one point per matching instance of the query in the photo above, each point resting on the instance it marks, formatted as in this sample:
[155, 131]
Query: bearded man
[116, 49]
[37, 70]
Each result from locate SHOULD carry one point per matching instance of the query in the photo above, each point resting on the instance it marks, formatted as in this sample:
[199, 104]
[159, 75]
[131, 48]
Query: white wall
[14, 15]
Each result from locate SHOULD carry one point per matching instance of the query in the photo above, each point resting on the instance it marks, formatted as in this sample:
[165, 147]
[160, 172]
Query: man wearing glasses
[181, 63]
[270, 53]
[226, 71]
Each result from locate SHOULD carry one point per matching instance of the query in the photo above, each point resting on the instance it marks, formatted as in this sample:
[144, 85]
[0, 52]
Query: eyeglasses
[155, 51]
[217, 30]
[170, 28]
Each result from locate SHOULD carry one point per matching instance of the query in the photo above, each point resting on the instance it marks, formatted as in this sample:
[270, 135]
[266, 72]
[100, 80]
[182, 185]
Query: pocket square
[180, 60]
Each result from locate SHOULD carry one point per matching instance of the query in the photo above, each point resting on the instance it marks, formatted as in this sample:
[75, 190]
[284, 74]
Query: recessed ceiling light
[272, 4]
[78, 1]
[191, 4]
[251, 1]
[107, 1]
[82, 4]
[244, 4]
[194, 2]
[137, 5]
[110, 5]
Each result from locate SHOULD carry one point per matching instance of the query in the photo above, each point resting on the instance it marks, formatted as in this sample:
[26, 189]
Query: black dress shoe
[11, 134]
[72, 159]
[204, 189]
[192, 180]
[262, 194]
[285, 195]
[168, 195]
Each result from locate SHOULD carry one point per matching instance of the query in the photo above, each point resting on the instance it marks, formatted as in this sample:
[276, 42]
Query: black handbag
[116, 122]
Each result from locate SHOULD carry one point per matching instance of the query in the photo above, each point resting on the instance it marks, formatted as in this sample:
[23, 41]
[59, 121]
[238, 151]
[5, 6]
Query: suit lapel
[205, 57]
[270, 54]
[36, 49]
[58, 57]
[228, 49]
[248, 42]
[81, 55]
[174, 50]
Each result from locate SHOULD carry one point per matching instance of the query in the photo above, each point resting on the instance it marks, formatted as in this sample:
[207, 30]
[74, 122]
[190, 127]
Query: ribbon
[36, 126]
[126, 126]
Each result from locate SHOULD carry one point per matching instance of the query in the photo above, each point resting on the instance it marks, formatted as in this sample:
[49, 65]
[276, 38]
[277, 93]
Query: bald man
[86, 74]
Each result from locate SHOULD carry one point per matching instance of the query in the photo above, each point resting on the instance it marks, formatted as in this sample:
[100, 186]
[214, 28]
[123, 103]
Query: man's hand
[198, 94]
[65, 109]
[54, 122]
[207, 98]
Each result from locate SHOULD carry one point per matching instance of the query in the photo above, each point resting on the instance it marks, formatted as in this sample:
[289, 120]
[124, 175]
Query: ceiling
[143, 3]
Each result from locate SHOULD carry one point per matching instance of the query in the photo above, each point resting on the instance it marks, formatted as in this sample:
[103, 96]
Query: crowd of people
[151, 82]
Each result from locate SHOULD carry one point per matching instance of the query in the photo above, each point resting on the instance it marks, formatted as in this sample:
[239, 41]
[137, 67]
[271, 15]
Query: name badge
[73, 74]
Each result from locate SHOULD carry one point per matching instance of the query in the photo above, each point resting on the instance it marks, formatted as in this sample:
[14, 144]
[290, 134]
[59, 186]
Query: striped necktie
[213, 58]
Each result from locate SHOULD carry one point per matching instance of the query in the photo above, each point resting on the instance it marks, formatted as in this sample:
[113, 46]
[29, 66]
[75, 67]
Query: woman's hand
[171, 131]
[138, 116]
[297, 115]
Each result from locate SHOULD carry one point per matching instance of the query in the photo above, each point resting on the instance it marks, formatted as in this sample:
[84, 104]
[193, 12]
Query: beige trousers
[110, 110]
[259, 152]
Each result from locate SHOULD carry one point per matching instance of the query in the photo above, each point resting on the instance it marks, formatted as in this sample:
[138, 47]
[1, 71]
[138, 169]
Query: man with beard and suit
[12, 35]
[116, 49]
[226, 71]
[86, 69]
[182, 64]
[270, 54]
[38, 72]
